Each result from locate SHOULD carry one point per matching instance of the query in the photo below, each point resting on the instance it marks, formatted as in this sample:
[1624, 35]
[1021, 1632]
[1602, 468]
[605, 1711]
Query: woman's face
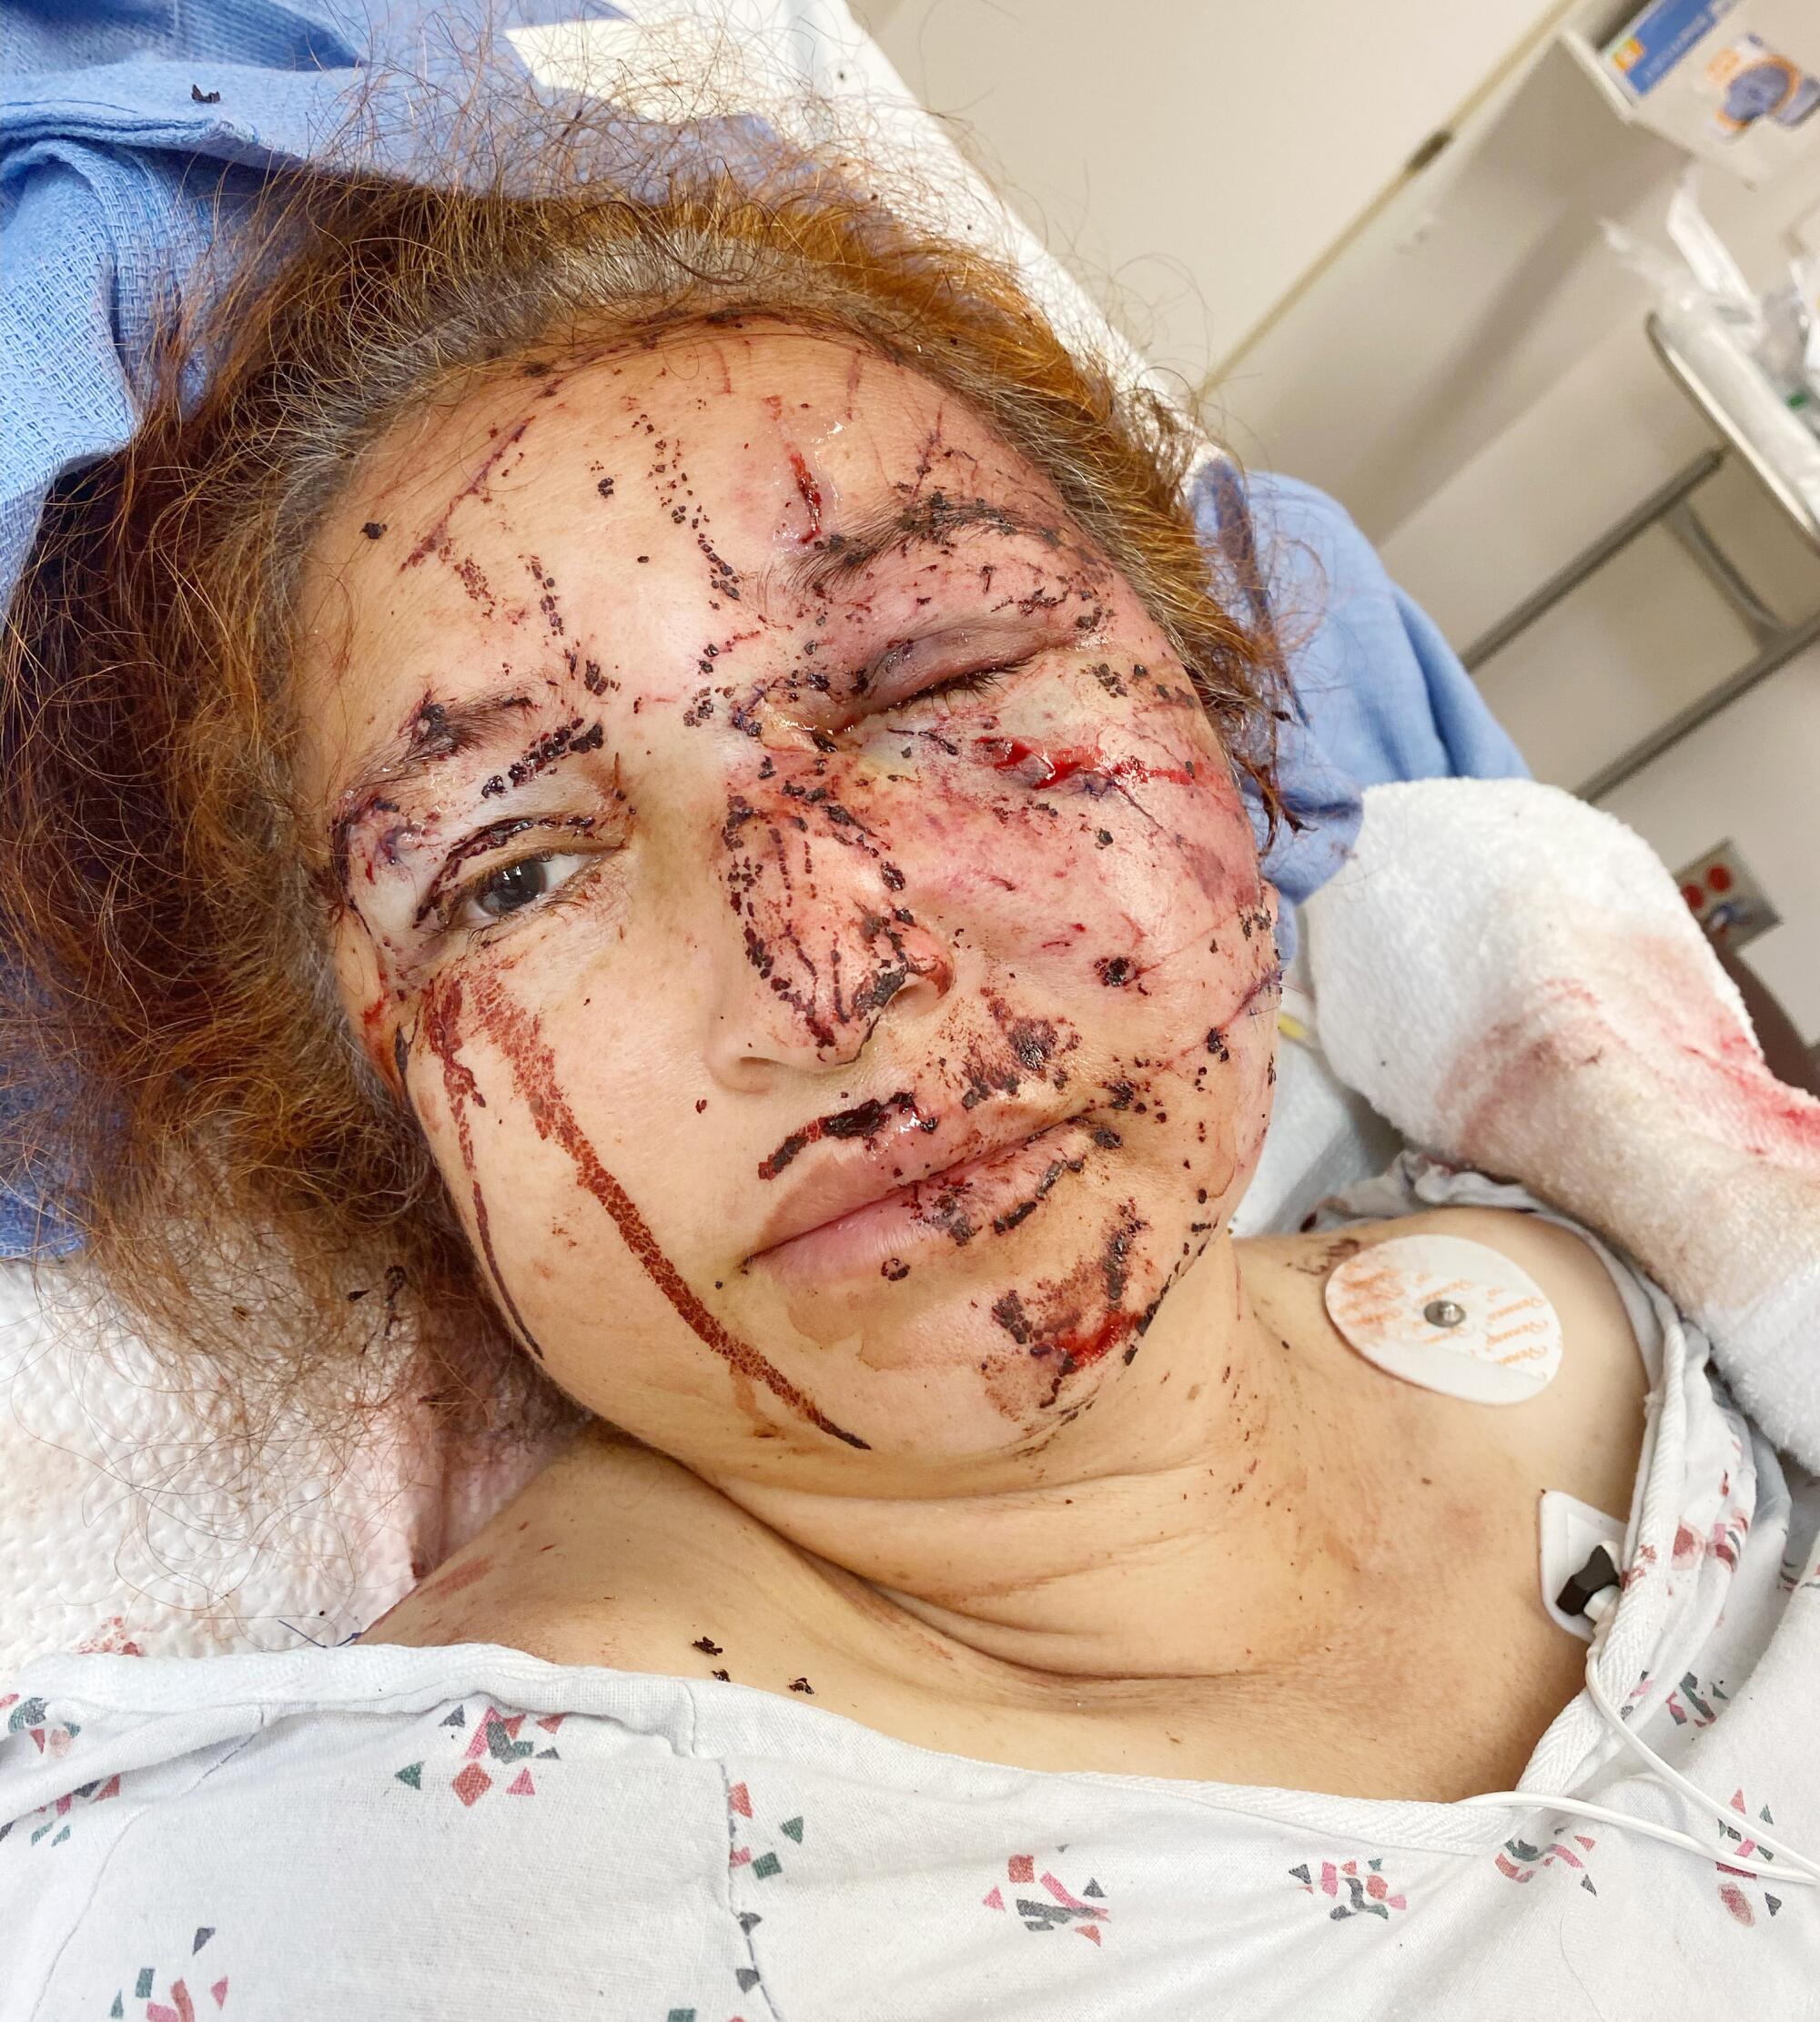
[797, 890]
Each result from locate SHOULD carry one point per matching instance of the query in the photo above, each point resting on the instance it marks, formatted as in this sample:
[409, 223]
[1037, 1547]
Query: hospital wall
[1196, 159]
[1471, 376]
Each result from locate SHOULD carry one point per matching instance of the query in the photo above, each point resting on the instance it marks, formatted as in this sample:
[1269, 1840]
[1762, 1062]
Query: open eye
[511, 888]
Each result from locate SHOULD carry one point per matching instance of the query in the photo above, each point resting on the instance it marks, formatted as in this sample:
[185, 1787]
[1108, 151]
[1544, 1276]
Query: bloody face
[791, 880]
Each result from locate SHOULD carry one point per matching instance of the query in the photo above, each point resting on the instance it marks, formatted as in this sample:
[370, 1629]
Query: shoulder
[1581, 1432]
[613, 1555]
[1562, 1262]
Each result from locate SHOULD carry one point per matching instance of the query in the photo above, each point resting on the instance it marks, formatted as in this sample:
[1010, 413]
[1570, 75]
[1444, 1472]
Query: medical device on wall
[1734, 81]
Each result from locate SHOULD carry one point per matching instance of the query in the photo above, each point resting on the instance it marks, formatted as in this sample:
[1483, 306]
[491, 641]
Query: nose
[820, 948]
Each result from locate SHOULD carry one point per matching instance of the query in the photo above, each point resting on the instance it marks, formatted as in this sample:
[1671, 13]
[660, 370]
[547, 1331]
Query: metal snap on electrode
[1451, 1315]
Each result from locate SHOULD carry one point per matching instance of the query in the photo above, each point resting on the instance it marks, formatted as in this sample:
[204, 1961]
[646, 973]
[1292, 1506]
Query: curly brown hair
[185, 1084]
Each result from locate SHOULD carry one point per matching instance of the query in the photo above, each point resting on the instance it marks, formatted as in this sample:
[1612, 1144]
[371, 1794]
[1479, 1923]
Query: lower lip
[983, 1195]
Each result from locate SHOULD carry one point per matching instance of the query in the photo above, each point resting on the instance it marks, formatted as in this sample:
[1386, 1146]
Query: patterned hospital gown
[472, 1833]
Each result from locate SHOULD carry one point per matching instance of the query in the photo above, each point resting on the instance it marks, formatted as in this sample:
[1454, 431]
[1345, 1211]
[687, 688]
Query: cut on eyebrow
[434, 730]
[930, 521]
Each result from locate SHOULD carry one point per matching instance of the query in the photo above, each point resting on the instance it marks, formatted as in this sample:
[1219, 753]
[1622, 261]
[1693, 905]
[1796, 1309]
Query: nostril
[920, 978]
[938, 971]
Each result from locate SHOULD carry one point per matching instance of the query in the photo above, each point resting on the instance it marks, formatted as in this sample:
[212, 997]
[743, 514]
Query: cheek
[1119, 911]
[1116, 872]
[553, 1224]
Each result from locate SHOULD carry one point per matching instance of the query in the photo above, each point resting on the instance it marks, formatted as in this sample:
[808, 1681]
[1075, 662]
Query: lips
[880, 1202]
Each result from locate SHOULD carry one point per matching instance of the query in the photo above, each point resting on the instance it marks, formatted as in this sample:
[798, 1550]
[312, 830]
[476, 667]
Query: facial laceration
[798, 887]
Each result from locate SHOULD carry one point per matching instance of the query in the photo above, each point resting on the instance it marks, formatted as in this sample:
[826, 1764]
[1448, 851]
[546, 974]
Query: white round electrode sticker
[1450, 1315]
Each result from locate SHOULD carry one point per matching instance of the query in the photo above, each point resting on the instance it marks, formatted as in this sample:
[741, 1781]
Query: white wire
[1664, 1772]
[1804, 1871]
[1537, 1801]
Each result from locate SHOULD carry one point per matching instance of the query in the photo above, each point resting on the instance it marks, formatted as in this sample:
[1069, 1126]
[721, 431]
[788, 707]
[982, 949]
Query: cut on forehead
[894, 521]
[419, 522]
[483, 464]
[407, 462]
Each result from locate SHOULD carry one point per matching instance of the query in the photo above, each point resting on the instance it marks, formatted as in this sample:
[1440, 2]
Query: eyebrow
[433, 731]
[933, 521]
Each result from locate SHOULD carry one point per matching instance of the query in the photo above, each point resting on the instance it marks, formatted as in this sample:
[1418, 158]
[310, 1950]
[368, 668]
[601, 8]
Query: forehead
[623, 498]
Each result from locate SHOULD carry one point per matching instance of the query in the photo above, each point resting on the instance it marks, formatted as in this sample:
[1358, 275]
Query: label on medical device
[1450, 1315]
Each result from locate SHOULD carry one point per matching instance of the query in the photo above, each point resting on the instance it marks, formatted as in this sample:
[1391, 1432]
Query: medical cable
[1804, 1871]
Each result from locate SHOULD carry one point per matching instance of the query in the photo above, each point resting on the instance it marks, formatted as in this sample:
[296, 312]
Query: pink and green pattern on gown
[495, 1739]
[53, 1822]
[1522, 1860]
[1739, 1891]
[178, 2004]
[1360, 1887]
[1058, 1908]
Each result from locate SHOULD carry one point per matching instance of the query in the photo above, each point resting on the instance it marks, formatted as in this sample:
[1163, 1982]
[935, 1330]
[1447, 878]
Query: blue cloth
[1379, 693]
[117, 161]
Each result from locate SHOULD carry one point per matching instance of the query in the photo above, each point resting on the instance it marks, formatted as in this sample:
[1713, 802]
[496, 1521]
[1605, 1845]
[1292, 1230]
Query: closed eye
[980, 681]
[959, 660]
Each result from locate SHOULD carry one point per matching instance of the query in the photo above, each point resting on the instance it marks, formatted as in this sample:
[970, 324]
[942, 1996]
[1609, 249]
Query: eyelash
[448, 914]
[982, 681]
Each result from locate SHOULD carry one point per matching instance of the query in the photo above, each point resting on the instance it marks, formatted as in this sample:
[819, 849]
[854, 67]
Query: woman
[666, 775]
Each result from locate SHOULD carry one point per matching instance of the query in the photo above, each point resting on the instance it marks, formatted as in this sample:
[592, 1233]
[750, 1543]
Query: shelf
[1681, 108]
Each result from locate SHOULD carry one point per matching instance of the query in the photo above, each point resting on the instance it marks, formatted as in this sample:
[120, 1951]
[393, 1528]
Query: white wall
[1458, 306]
[1751, 773]
[1200, 153]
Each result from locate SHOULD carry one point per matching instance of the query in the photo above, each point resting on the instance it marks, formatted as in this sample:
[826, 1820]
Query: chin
[984, 1346]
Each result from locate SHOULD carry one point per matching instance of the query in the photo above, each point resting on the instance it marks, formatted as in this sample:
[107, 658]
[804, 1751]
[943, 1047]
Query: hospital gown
[471, 1833]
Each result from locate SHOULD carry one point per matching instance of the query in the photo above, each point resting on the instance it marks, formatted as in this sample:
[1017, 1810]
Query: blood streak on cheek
[373, 1039]
[442, 1011]
[516, 1034]
[1039, 768]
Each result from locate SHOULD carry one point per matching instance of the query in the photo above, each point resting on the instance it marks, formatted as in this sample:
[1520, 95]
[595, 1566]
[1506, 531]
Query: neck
[1194, 1524]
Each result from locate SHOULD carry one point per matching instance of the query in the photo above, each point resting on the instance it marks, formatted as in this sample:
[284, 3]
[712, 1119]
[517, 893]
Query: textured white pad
[1450, 1315]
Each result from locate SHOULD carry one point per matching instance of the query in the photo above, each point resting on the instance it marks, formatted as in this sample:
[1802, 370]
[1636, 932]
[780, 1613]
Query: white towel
[134, 1520]
[1513, 980]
